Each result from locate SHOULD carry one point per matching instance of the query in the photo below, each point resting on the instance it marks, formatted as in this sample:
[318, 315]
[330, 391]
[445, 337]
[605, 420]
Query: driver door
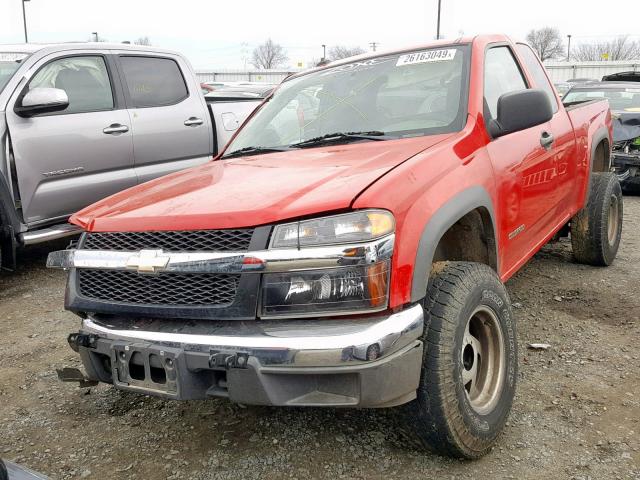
[525, 169]
[67, 160]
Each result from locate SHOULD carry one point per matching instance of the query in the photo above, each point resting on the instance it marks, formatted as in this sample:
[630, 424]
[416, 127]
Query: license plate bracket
[146, 368]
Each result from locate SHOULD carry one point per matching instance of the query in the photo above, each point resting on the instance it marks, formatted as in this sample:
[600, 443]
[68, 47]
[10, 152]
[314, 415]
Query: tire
[597, 228]
[451, 415]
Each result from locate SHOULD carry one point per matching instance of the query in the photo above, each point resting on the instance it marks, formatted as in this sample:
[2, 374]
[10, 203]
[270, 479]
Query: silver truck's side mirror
[42, 100]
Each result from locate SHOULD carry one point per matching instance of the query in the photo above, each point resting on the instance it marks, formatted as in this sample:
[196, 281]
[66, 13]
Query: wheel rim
[614, 219]
[483, 360]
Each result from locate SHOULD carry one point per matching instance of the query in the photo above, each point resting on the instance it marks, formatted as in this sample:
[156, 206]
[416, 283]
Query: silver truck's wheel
[597, 228]
[470, 362]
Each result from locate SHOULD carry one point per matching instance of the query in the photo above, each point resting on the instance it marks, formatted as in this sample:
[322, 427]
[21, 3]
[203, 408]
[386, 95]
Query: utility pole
[569, 48]
[374, 45]
[438, 27]
[324, 51]
[24, 20]
[96, 35]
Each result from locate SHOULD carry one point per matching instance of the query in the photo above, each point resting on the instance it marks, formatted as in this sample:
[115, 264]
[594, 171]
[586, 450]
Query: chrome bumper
[51, 233]
[283, 343]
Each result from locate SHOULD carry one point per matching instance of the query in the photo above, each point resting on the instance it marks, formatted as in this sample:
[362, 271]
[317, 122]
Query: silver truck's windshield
[400, 95]
[9, 63]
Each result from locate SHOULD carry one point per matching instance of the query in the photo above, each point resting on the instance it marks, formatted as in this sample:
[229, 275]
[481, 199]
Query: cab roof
[488, 38]
[31, 48]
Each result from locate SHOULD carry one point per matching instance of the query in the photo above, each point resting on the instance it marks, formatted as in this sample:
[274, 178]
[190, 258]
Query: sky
[221, 34]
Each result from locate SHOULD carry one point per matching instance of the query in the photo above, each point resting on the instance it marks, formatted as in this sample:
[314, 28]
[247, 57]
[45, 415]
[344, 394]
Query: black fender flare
[8, 215]
[10, 226]
[598, 137]
[443, 219]
[601, 134]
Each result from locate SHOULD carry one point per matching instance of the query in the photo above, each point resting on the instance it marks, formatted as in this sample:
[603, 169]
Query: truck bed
[588, 119]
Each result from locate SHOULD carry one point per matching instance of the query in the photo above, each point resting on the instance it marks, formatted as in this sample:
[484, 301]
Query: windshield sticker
[12, 57]
[426, 57]
[355, 66]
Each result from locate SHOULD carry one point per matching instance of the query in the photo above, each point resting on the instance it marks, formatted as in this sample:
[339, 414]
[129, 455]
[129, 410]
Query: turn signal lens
[381, 223]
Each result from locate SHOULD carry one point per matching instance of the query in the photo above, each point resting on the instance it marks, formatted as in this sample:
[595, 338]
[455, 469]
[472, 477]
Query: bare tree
[143, 41]
[269, 55]
[340, 51]
[619, 48]
[546, 42]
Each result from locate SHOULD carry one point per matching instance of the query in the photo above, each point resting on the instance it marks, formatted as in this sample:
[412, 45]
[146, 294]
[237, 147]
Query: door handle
[546, 140]
[193, 122]
[115, 128]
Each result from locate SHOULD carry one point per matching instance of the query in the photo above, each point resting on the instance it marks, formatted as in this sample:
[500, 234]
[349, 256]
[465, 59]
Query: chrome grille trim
[260, 261]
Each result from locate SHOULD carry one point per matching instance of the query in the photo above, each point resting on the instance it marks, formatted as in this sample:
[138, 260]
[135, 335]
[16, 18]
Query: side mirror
[521, 110]
[42, 100]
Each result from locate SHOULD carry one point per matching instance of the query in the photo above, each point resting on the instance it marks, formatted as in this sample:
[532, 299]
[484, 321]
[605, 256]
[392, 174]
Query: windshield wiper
[342, 136]
[254, 151]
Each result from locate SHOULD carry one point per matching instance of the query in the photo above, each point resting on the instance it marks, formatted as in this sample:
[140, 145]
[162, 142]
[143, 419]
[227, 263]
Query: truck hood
[626, 125]
[253, 190]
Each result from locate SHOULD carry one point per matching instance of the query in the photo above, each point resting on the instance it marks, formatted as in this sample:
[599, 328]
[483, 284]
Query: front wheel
[469, 367]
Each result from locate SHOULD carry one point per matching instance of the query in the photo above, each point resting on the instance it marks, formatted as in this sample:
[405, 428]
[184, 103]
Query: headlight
[326, 291]
[360, 226]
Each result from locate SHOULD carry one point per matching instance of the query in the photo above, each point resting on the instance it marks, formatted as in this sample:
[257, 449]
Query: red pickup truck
[349, 246]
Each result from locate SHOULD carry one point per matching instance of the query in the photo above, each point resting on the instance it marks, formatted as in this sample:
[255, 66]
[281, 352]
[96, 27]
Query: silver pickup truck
[79, 122]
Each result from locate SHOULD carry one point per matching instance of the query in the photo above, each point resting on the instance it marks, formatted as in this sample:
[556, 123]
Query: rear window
[620, 99]
[153, 82]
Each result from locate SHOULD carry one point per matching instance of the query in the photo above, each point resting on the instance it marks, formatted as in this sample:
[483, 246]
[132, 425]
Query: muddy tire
[469, 366]
[597, 228]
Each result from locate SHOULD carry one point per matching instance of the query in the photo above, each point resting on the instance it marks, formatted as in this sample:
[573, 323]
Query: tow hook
[227, 360]
[77, 340]
[68, 374]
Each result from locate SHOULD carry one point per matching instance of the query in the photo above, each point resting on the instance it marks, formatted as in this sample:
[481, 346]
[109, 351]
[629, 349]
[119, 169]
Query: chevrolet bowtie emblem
[148, 261]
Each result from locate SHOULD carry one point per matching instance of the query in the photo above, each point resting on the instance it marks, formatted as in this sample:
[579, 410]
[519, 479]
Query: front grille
[172, 241]
[163, 289]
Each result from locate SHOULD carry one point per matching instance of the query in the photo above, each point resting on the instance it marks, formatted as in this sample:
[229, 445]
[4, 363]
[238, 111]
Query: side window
[153, 82]
[501, 75]
[84, 79]
[539, 77]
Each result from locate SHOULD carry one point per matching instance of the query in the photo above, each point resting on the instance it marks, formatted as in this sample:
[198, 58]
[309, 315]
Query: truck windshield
[387, 97]
[620, 99]
[9, 63]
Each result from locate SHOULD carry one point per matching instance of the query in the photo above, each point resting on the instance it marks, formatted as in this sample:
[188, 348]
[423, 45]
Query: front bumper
[370, 362]
[626, 165]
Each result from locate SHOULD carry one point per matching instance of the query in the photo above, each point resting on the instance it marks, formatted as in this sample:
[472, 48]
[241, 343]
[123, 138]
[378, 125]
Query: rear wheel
[469, 368]
[597, 228]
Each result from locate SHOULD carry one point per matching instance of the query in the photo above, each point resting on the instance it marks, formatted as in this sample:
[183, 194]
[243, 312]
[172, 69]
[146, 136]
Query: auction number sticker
[12, 57]
[426, 57]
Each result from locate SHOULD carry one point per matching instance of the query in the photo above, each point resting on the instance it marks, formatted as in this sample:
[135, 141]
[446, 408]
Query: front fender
[448, 214]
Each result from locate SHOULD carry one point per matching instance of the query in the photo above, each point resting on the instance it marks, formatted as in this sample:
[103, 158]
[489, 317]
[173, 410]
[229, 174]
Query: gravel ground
[576, 415]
